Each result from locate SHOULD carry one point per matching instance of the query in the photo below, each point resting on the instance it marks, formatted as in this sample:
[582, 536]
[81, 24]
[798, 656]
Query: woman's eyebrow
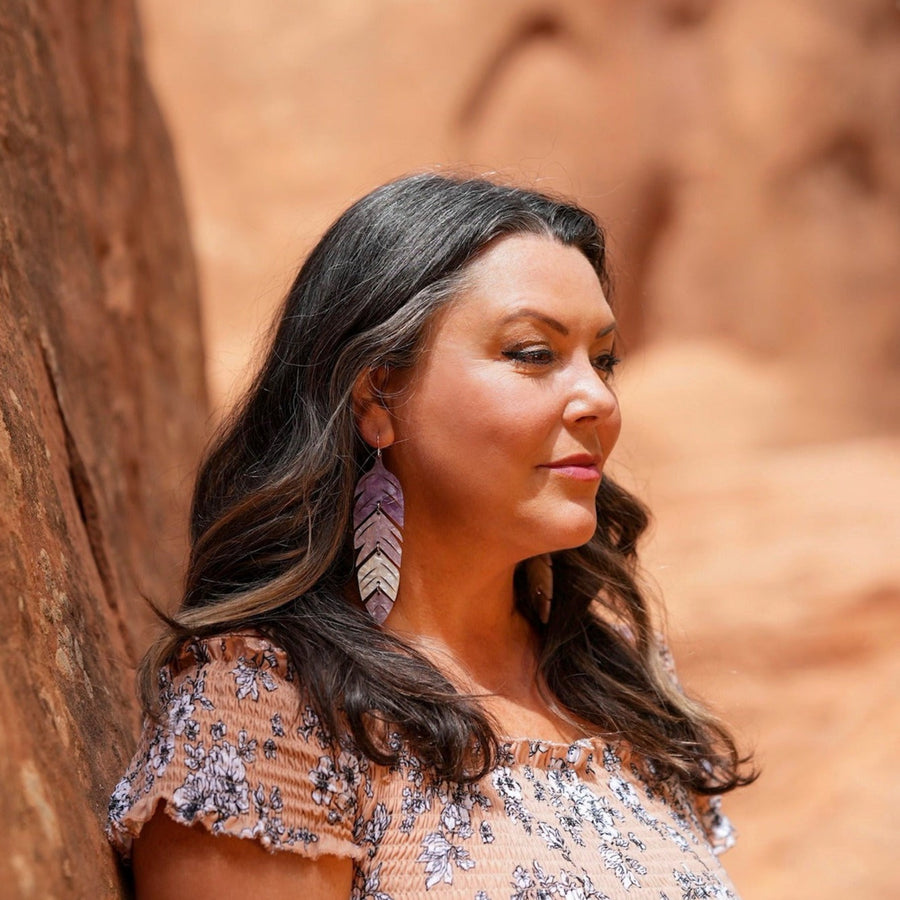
[555, 324]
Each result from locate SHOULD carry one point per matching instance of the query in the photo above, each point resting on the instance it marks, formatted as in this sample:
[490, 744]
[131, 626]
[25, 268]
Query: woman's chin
[575, 532]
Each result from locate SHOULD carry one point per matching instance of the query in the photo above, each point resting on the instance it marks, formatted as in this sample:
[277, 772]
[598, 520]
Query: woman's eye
[541, 356]
[606, 363]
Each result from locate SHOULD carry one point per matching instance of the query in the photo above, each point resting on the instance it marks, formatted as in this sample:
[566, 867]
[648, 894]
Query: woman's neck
[462, 613]
[457, 607]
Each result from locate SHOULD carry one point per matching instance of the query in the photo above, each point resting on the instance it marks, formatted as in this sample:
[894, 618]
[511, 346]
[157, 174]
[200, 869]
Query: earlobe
[373, 419]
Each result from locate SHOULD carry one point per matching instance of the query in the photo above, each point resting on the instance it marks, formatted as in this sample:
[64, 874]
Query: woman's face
[502, 429]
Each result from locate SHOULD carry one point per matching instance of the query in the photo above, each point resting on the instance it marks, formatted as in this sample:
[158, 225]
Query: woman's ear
[373, 418]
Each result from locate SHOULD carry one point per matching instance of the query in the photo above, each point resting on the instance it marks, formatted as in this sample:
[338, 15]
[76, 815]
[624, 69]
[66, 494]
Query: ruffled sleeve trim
[122, 832]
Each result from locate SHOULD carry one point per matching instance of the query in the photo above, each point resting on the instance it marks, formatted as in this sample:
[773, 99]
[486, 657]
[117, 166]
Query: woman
[412, 657]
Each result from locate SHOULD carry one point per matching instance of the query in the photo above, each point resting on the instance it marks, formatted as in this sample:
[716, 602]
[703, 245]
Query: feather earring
[539, 572]
[378, 538]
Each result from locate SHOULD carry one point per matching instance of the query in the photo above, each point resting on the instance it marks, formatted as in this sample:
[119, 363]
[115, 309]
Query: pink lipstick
[580, 467]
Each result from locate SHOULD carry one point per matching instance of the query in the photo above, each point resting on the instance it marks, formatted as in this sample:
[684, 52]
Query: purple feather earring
[378, 538]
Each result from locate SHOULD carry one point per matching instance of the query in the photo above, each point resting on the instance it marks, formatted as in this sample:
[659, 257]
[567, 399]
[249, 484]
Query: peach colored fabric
[239, 751]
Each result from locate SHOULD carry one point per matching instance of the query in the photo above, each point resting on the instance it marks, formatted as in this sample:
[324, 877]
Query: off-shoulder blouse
[239, 751]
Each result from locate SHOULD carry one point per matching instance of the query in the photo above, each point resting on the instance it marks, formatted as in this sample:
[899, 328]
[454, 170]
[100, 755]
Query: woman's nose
[590, 396]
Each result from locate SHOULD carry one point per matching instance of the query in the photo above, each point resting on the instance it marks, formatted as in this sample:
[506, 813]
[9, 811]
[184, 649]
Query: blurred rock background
[745, 157]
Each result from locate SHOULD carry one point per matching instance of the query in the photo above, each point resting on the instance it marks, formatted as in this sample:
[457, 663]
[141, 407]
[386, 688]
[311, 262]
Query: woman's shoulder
[232, 648]
[242, 678]
[235, 745]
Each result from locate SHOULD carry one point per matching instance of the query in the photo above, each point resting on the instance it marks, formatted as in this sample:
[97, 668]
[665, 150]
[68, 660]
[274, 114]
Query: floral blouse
[239, 752]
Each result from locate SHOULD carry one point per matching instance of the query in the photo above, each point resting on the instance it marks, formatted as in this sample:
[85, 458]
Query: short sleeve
[237, 750]
[716, 825]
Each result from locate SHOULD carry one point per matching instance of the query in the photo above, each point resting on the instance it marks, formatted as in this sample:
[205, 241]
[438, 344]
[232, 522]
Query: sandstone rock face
[102, 406]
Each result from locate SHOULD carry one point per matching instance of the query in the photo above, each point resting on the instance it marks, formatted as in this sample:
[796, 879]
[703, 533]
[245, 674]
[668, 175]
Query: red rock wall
[102, 406]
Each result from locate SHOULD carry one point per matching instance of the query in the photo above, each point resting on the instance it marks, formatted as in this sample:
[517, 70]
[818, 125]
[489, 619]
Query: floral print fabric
[237, 749]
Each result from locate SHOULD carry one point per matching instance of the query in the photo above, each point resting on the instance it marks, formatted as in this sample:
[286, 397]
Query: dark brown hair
[270, 527]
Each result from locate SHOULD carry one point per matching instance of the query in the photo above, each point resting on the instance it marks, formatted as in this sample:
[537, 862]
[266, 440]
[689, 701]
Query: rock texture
[102, 405]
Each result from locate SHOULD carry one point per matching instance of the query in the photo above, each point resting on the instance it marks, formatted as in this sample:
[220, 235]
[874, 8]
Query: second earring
[378, 538]
[539, 570]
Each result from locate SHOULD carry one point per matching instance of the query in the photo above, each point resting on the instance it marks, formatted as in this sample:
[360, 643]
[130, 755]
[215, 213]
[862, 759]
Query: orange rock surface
[102, 407]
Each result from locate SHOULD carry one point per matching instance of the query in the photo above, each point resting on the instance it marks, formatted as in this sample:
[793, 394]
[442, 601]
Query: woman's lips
[579, 468]
[579, 473]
